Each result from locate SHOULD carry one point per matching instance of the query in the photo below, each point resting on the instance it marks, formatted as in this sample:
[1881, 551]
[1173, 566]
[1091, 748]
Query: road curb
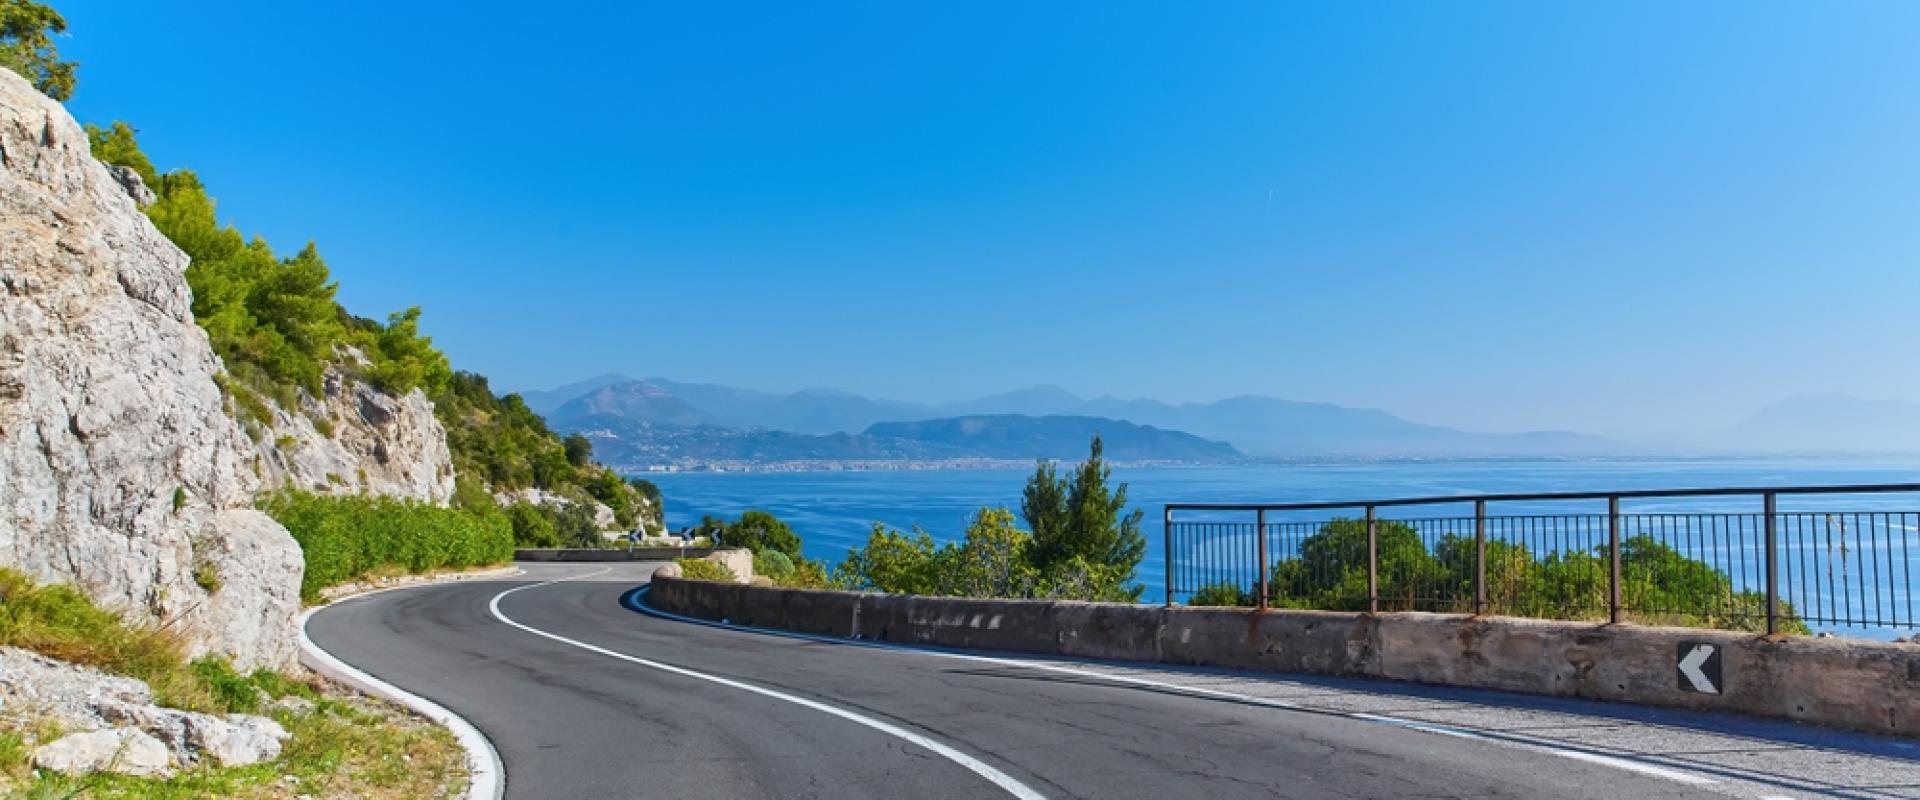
[344, 591]
[487, 775]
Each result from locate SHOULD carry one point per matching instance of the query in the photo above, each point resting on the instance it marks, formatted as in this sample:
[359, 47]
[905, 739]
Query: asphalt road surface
[586, 697]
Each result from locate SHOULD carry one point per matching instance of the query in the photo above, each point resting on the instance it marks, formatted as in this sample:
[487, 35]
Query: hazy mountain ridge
[1253, 425]
[1828, 423]
[1056, 436]
[634, 443]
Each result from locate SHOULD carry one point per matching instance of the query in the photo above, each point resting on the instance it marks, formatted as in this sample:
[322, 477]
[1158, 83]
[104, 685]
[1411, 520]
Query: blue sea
[834, 511]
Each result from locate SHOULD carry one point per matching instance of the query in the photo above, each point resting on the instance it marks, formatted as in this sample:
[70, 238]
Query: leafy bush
[891, 561]
[756, 531]
[773, 564]
[1330, 573]
[807, 574]
[346, 537]
[700, 569]
[532, 526]
[1224, 593]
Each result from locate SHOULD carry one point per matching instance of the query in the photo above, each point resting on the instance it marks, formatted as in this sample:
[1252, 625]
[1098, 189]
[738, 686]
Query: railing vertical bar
[1800, 559]
[1479, 557]
[1768, 503]
[1613, 556]
[1906, 560]
[1859, 560]
[1879, 611]
[1373, 564]
[1166, 519]
[1833, 598]
[1265, 567]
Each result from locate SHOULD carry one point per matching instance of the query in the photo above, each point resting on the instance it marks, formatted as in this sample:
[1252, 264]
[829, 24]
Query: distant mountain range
[666, 418]
[626, 442]
[1828, 423]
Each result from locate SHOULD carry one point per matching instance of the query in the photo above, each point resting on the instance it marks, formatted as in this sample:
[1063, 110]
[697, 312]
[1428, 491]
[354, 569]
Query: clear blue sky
[1629, 219]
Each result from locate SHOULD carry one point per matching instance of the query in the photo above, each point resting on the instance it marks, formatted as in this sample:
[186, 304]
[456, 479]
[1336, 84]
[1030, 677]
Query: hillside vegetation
[275, 322]
[277, 326]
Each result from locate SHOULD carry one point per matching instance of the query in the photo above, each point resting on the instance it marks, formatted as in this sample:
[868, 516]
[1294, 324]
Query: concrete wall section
[1864, 686]
[609, 554]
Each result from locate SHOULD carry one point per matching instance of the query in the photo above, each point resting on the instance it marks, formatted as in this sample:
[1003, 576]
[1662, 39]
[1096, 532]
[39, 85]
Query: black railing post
[1373, 565]
[1773, 566]
[1479, 557]
[1167, 518]
[1613, 556]
[1260, 524]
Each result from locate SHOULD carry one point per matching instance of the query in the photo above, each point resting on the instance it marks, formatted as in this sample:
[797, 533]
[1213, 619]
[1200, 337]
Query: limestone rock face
[120, 469]
[365, 442]
[603, 516]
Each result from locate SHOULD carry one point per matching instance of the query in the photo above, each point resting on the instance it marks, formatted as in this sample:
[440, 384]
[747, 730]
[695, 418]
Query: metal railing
[1759, 569]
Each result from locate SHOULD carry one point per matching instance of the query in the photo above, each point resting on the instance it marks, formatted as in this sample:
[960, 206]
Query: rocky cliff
[355, 439]
[120, 469]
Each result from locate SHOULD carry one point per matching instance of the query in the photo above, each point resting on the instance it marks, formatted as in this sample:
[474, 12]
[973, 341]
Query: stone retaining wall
[610, 554]
[1863, 686]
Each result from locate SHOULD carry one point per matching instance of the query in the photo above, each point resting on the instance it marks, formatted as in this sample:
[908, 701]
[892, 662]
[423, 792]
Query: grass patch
[700, 569]
[342, 745]
[207, 576]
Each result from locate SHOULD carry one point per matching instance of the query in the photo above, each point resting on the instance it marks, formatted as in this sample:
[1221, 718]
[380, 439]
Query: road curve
[585, 698]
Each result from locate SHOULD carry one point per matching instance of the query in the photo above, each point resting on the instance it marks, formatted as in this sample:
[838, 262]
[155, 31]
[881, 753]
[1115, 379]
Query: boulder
[235, 740]
[120, 750]
[737, 559]
[243, 739]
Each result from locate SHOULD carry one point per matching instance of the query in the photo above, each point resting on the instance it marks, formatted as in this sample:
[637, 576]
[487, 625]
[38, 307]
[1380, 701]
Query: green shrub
[700, 569]
[347, 537]
[1224, 593]
[807, 574]
[759, 530]
[533, 525]
[773, 564]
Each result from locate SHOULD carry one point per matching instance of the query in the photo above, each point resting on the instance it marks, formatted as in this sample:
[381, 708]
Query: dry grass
[343, 745]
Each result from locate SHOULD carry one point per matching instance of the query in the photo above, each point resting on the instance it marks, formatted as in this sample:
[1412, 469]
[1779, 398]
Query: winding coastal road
[585, 695]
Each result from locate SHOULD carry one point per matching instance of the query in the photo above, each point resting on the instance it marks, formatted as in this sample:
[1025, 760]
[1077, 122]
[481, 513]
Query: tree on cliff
[26, 46]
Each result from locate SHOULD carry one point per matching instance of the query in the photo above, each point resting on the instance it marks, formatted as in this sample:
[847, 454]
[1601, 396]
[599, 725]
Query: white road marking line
[486, 775]
[978, 767]
[1509, 739]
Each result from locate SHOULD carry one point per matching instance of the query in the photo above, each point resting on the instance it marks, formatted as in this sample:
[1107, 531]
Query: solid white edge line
[1511, 740]
[486, 779]
[1006, 782]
